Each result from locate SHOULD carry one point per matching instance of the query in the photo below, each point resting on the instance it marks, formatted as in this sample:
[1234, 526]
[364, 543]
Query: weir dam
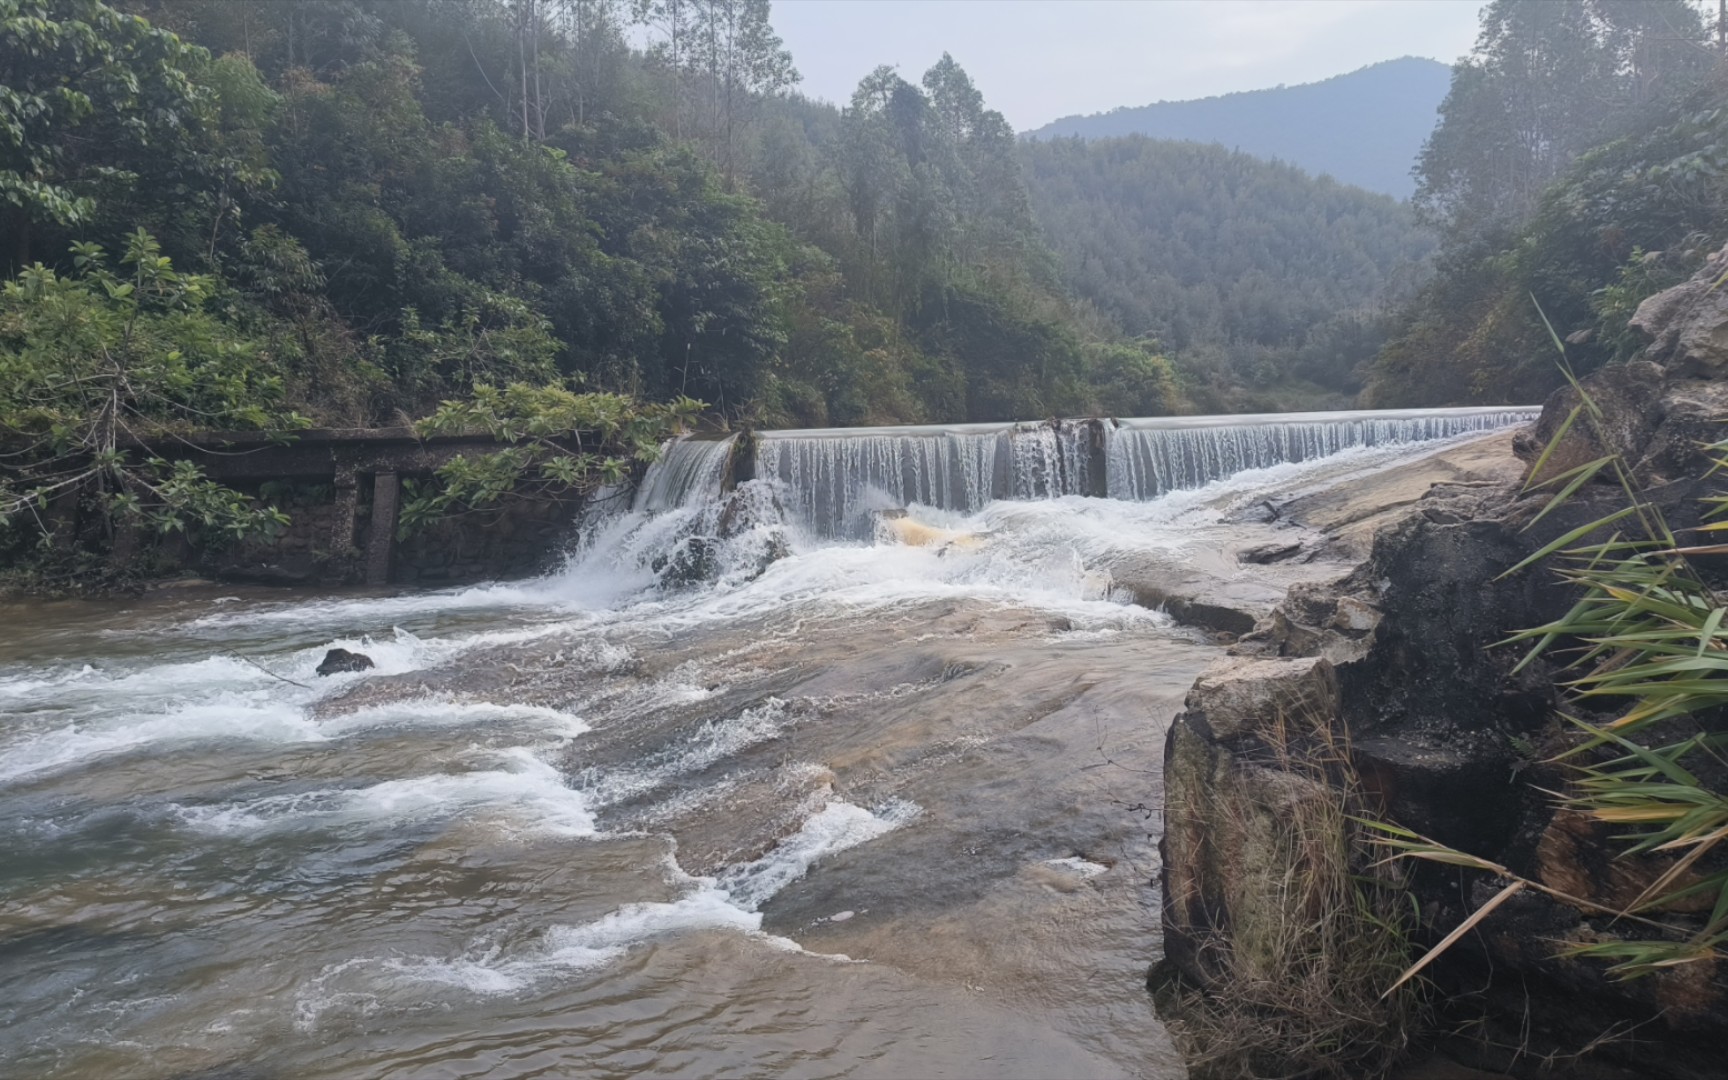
[836, 477]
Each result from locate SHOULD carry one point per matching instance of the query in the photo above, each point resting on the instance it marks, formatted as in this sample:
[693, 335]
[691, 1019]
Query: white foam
[1074, 864]
[443, 712]
[729, 903]
[225, 715]
[833, 829]
[713, 741]
[85, 715]
[531, 793]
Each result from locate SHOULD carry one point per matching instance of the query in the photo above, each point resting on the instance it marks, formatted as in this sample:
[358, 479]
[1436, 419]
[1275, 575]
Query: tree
[85, 93]
[558, 444]
[725, 58]
[97, 371]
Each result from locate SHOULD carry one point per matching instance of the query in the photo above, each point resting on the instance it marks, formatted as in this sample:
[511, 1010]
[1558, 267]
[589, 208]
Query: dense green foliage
[95, 364]
[367, 211]
[557, 443]
[1267, 286]
[1362, 128]
[1579, 168]
[409, 197]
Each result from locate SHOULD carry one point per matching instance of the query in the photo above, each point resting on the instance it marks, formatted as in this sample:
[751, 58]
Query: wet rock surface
[1233, 578]
[1451, 741]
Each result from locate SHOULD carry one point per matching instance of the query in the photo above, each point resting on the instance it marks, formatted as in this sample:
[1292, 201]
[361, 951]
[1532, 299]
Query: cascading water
[1147, 458]
[688, 468]
[835, 477]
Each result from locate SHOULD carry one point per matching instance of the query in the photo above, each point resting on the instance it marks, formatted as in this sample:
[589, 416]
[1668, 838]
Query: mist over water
[743, 788]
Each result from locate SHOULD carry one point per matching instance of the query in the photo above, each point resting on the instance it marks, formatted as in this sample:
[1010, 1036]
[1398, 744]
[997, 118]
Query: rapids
[735, 792]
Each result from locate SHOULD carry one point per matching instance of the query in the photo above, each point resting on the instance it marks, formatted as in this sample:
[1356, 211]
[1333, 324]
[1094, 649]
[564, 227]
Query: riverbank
[1400, 672]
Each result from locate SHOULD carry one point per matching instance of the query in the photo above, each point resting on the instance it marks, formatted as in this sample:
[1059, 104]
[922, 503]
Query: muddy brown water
[877, 811]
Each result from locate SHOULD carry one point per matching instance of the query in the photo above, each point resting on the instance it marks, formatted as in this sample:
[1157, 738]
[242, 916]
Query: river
[744, 788]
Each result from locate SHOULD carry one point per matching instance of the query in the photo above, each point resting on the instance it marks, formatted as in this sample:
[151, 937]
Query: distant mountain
[1364, 128]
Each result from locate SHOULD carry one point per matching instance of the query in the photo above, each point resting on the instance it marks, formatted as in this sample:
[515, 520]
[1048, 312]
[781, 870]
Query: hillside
[1363, 128]
[1267, 286]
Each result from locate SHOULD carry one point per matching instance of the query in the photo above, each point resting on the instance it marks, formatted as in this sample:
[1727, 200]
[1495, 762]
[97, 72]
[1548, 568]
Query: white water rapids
[737, 791]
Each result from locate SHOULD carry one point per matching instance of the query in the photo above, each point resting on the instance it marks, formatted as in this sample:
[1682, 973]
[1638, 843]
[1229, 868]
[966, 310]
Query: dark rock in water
[1263, 512]
[747, 536]
[691, 562]
[338, 661]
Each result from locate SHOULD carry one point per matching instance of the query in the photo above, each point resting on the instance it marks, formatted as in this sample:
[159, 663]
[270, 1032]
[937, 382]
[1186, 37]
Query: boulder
[746, 536]
[1448, 739]
[1689, 323]
[1629, 400]
[1239, 697]
[1223, 879]
[340, 661]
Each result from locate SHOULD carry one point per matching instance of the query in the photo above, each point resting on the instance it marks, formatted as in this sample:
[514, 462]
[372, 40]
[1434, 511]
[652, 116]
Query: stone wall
[523, 538]
[517, 538]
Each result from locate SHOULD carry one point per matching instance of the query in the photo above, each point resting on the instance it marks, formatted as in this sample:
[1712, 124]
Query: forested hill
[1269, 286]
[1364, 128]
[1578, 170]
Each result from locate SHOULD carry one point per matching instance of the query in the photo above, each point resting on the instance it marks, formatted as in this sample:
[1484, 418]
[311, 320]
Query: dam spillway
[833, 478]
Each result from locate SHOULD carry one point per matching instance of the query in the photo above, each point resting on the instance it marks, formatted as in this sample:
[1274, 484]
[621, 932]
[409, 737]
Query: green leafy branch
[101, 369]
[562, 443]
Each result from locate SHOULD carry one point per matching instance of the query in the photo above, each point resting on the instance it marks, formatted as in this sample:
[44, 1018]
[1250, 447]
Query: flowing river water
[743, 789]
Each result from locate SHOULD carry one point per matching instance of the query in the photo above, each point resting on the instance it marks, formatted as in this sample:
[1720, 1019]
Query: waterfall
[689, 468]
[833, 479]
[1146, 458]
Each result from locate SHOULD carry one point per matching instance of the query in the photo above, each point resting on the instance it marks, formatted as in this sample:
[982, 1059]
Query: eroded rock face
[1660, 419]
[1227, 803]
[1451, 742]
[1689, 323]
[1240, 698]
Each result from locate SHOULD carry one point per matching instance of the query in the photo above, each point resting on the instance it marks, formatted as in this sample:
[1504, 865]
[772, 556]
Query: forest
[397, 200]
[1270, 289]
[1578, 168]
[288, 213]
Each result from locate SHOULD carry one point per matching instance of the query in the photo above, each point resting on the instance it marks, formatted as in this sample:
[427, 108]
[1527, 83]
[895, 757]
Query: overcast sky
[1036, 60]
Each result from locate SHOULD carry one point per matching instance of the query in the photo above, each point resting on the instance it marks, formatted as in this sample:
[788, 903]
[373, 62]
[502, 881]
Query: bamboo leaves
[1646, 635]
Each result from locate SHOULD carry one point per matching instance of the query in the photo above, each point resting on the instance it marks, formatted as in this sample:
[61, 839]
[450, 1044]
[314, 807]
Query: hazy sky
[1036, 60]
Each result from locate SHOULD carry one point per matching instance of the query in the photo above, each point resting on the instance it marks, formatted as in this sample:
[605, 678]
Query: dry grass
[1309, 997]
